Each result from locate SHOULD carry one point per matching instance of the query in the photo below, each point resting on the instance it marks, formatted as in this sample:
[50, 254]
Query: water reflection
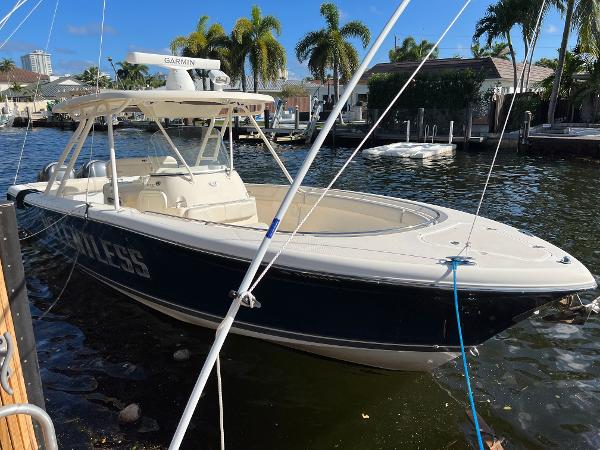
[537, 384]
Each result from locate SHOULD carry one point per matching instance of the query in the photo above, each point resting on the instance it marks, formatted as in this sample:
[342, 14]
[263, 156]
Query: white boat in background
[7, 115]
[412, 150]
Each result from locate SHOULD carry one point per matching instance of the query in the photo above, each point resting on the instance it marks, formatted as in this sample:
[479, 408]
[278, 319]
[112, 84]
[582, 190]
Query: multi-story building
[37, 61]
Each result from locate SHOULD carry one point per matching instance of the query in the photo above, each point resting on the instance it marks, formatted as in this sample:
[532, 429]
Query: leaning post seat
[214, 196]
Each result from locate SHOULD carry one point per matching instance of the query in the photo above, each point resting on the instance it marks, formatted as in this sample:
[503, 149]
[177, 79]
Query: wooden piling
[420, 127]
[469, 127]
[17, 432]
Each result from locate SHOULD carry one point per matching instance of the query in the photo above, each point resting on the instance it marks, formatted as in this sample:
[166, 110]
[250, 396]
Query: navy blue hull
[307, 306]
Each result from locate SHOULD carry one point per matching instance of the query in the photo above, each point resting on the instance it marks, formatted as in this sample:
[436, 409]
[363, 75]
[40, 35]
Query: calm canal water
[537, 385]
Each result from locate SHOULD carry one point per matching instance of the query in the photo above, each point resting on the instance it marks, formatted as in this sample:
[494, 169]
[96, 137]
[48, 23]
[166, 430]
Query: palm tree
[329, 48]
[411, 51]
[583, 16]
[90, 75]
[497, 23]
[204, 42]
[255, 40]
[133, 76]
[6, 65]
[16, 87]
[496, 50]
[234, 58]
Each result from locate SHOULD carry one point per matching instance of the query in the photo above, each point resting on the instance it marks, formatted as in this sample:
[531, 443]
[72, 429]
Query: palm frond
[357, 29]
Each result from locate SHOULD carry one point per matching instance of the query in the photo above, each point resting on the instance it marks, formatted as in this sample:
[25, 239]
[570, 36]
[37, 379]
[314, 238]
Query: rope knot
[246, 299]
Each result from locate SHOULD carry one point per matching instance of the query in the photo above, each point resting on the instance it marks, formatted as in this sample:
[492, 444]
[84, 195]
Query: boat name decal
[112, 254]
[179, 61]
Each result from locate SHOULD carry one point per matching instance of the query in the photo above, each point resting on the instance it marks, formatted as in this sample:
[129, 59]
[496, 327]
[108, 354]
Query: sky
[149, 26]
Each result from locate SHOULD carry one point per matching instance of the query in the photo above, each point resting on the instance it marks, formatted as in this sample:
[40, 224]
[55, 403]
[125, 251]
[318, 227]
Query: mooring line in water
[455, 261]
[510, 107]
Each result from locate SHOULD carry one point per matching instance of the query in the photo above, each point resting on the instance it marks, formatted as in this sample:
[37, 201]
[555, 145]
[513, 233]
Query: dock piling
[451, 132]
[17, 431]
[420, 127]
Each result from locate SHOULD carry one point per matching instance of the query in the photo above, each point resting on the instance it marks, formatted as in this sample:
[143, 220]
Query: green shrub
[443, 90]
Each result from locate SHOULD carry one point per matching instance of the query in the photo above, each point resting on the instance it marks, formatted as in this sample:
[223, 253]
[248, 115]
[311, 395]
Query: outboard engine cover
[93, 168]
[48, 170]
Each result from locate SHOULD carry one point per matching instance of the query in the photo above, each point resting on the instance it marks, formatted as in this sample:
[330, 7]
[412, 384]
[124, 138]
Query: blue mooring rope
[455, 263]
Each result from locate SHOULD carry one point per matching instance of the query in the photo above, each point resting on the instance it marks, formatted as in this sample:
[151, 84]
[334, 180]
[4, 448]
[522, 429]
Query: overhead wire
[496, 152]
[35, 94]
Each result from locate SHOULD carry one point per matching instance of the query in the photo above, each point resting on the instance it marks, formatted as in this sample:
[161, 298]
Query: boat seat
[81, 185]
[129, 192]
[137, 167]
[239, 211]
[151, 200]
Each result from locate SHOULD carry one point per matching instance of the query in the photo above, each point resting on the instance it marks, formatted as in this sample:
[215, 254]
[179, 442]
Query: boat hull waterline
[362, 321]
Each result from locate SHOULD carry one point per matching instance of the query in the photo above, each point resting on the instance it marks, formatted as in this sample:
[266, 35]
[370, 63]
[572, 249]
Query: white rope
[18, 4]
[355, 152]
[21, 23]
[512, 102]
[37, 87]
[87, 187]
[29, 236]
[220, 389]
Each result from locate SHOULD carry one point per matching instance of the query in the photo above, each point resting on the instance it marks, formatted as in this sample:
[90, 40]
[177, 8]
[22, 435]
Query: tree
[528, 12]
[329, 48]
[498, 21]
[411, 51]
[235, 55]
[7, 65]
[256, 41]
[583, 16]
[294, 90]
[132, 76]
[155, 80]
[90, 75]
[588, 89]
[16, 87]
[575, 63]
[204, 42]
[547, 62]
[496, 50]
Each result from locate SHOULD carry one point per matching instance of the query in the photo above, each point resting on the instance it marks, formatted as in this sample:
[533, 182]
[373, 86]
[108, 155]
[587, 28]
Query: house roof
[493, 68]
[59, 88]
[21, 76]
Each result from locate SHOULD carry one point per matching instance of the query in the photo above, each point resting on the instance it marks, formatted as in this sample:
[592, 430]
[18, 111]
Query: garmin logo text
[179, 61]
[118, 256]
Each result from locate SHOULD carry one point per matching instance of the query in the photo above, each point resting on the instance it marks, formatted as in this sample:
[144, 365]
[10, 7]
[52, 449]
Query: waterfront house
[498, 72]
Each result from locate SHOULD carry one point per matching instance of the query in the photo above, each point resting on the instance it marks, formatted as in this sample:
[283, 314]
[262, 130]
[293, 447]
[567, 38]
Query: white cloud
[92, 29]
[374, 10]
[140, 48]
[552, 29]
